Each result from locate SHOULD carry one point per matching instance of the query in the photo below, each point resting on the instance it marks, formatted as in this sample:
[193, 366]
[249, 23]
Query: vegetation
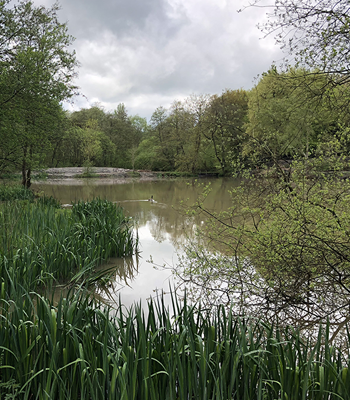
[285, 116]
[82, 349]
[286, 121]
[288, 113]
[315, 33]
[281, 252]
[36, 71]
[282, 249]
[41, 243]
[15, 192]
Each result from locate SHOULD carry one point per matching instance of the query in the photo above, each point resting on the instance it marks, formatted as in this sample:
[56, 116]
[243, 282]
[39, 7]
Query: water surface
[162, 226]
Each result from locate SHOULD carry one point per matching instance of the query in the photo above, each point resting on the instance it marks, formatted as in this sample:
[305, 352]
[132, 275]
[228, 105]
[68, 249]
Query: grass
[87, 174]
[41, 243]
[15, 192]
[82, 349]
[11, 176]
[39, 175]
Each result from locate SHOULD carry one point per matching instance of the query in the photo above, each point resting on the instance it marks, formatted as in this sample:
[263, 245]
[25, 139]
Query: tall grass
[81, 349]
[15, 192]
[40, 243]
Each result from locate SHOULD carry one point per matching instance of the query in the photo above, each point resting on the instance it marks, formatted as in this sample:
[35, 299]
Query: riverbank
[98, 172]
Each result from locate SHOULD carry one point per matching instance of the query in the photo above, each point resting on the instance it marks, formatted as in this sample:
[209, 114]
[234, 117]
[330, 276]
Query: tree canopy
[37, 68]
[316, 32]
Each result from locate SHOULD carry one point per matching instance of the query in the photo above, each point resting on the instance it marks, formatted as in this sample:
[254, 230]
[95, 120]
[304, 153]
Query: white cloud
[147, 53]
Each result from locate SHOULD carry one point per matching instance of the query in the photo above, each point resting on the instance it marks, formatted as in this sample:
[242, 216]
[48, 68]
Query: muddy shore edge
[99, 172]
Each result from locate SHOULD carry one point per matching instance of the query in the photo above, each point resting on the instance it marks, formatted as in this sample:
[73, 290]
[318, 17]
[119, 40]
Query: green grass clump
[40, 243]
[81, 349]
[39, 175]
[86, 174]
[15, 192]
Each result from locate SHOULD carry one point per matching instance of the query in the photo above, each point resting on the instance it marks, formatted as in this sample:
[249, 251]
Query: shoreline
[98, 173]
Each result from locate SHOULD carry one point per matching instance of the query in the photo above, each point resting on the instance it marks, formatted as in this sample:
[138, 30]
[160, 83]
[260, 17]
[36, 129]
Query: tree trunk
[25, 174]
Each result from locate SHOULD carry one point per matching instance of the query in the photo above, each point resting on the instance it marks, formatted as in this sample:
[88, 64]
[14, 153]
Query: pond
[163, 229]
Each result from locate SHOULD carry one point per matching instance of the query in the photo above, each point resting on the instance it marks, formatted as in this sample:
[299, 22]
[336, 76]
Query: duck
[151, 199]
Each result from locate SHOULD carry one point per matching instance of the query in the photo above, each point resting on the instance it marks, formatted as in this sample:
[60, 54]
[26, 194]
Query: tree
[123, 134]
[37, 70]
[140, 129]
[91, 143]
[281, 252]
[162, 132]
[225, 121]
[197, 106]
[316, 32]
[181, 122]
[80, 118]
[285, 120]
[120, 134]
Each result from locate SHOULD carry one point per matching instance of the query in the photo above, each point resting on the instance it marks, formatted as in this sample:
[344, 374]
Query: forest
[286, 116]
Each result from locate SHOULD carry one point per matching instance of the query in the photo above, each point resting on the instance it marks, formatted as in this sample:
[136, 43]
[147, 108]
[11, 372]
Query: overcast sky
[148, 53]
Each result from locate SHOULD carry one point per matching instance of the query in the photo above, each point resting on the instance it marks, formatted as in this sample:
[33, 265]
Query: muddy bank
[99, 175]
[98, 172]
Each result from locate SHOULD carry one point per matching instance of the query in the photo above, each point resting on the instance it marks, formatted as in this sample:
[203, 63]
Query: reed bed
[15, 192]
[81, 349]
[41, 243]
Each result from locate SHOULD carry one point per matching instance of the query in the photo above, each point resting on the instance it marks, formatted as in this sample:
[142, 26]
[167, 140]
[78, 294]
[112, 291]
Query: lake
[162, 227]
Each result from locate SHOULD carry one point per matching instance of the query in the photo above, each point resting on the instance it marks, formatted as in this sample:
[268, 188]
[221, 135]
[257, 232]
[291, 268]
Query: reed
[15, 192]
[41, 243]
[82, 349]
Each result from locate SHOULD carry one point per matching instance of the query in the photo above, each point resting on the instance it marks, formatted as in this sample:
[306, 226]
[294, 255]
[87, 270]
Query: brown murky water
[162, 228]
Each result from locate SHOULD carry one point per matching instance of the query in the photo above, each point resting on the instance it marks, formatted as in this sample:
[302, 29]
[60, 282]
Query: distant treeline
[281, 118]
[286, 115]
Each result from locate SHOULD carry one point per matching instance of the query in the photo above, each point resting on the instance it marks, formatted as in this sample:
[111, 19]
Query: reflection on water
[162, 229]
[121, 272]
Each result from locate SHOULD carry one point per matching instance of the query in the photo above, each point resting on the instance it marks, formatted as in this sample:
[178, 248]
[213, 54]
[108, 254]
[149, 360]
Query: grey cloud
[87, 19]
[147, 53]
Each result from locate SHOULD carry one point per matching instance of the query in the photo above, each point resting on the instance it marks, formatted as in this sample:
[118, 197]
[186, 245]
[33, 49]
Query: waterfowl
[151, 199]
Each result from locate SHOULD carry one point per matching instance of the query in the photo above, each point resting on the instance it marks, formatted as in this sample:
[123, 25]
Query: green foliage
[36, 70]
[148, 156]
[164, 148]
[175, 174]
[301, 242]
[284, 246]
[316, 33]
[225, 129]
[40, 243]
[203, 133]
[91, 143]
[80, 348]
[15, 192]
[102, 138]
[287, 119]
[48, 201]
